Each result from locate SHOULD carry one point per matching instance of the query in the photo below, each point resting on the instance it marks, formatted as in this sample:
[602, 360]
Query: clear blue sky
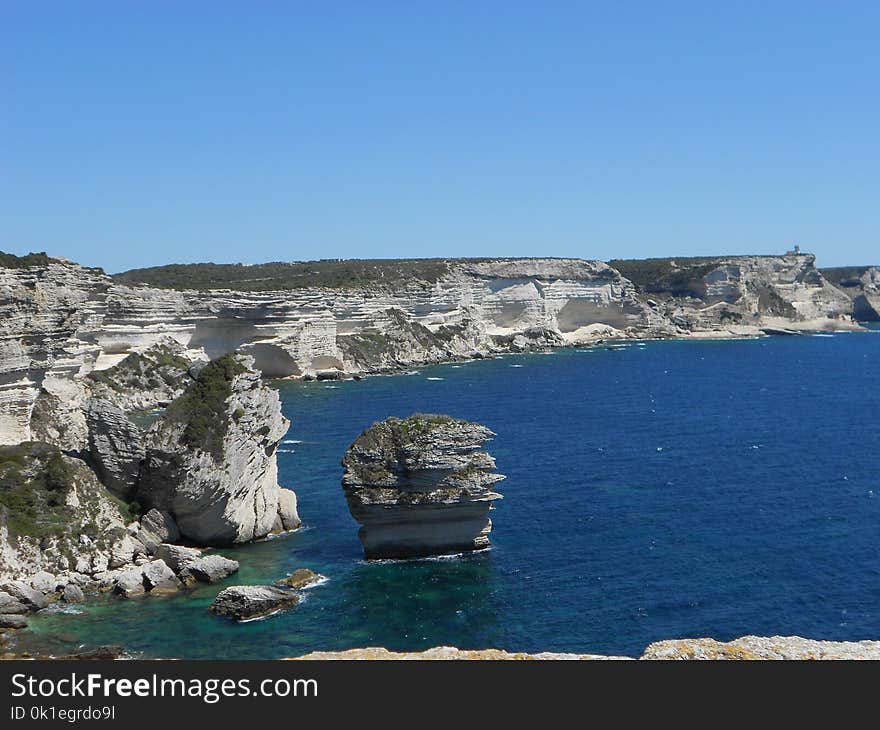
[141, 133]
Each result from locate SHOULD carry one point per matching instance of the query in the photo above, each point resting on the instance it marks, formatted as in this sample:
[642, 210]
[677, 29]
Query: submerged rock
[301, 579]
[421, 486]
[249, 602]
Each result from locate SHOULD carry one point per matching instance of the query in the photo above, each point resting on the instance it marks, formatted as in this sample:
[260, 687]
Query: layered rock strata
[862, 286]
[59, 321]
[741, 295]
[421, 486]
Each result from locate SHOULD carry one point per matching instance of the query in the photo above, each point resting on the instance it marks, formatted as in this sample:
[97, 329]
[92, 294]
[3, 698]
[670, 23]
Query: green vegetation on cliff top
[351, 273]
[664, 274]
[278, 275]
[202, 407]
[11, 261]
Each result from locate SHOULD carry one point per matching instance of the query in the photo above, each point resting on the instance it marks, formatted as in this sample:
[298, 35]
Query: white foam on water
[285, 533]
[515, 366]
[291, 441]
[427, 558]
[321, 581]
[433, 378]
[286, 451]
[268, 615]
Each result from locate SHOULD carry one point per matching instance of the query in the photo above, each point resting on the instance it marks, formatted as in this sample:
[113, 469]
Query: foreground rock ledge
[762, 647]
[744, 648]
[421, 486]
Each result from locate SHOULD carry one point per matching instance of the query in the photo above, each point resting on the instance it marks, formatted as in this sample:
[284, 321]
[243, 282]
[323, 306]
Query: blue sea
[668, 489]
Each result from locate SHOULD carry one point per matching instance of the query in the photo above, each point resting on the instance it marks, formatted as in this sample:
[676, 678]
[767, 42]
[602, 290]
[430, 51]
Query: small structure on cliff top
[421, 486]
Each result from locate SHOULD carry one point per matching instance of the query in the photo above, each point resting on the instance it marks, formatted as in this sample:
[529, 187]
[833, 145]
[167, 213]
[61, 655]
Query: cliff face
[458, 309]
[50, 318]
[211, 461]
[60, 321]
[463, 311]
[862, 286]
[421, 486]
[744, 294]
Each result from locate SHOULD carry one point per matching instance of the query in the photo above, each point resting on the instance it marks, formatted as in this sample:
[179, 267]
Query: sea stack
[421, 486]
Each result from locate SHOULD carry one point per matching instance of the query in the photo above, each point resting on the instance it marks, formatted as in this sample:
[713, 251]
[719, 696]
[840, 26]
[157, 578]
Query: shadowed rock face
[421, 486]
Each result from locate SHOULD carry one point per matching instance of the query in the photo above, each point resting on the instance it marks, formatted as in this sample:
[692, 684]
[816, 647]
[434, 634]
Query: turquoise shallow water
[668, 489]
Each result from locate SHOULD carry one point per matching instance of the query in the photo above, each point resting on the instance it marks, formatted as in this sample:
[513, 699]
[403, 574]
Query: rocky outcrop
[421, 486]
[244, 603]
[211, 462]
